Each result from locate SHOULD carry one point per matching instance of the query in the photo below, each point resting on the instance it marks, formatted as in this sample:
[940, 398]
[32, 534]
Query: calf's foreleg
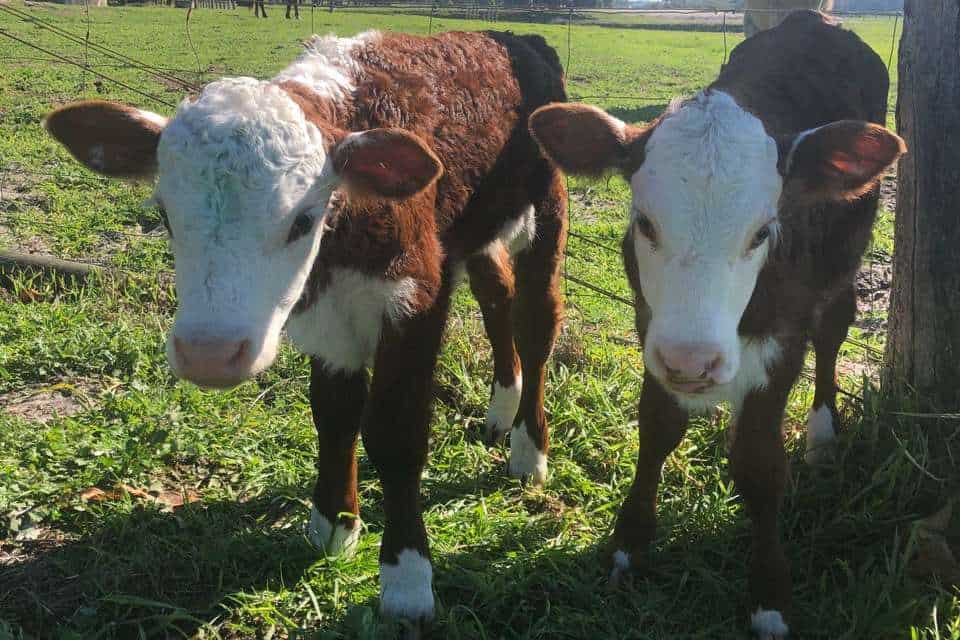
[662, 424]
[396, 430]
[828, 336]
[337, 399]
[759, 466]
[492, 283]
[537, 310]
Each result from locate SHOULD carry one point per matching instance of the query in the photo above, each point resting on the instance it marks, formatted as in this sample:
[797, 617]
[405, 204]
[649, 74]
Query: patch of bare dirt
[888, 191]
[586, 204]
[542, 503]
[858, 368]
[44, 403]
[873, 294]
[17, 195]
[27, 547]
[17, 191]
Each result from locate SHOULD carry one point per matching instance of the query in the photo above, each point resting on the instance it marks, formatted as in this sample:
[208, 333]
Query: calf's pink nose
[212, 362]
[692, 361]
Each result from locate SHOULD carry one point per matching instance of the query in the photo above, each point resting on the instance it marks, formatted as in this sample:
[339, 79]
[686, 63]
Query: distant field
[87, 402]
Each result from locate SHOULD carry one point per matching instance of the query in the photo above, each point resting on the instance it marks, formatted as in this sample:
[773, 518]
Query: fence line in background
[494, 10]
[133, 63]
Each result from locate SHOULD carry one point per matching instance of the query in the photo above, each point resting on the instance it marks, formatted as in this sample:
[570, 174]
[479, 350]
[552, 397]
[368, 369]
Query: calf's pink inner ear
[112, 139]
[390, 163]
[843, 158]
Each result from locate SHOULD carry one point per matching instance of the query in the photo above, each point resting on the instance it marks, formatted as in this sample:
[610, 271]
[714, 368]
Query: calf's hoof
[332, 540]
[621, 570]
[821, 437]
[768, 624]
[504, 404]
[527, 462]
[413, 630]
[406, 590]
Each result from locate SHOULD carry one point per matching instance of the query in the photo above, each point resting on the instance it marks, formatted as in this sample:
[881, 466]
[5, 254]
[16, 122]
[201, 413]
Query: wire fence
[101, 61]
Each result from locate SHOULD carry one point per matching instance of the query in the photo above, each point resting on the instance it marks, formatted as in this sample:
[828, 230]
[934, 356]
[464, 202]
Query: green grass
[510, 562]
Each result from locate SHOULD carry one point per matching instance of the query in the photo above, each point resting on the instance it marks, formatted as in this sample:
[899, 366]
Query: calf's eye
[301, 226]
[646, 228]
[760, 237]
[165, 220]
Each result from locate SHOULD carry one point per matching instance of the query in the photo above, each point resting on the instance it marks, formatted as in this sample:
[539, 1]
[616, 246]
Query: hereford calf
[340, 200]
[752, 206]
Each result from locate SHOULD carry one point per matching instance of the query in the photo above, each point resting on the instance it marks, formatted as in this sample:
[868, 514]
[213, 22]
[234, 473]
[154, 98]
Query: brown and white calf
[752, 205]
[341, 200]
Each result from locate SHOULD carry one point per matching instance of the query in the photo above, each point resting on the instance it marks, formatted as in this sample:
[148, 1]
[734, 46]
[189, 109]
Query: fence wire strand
[97, 48]
[432, 11]
[92, 71]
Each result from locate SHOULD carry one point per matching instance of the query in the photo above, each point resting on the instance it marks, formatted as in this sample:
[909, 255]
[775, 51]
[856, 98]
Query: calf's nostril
[714, 365]
[242, 351]
[665, 363]
[178, 348]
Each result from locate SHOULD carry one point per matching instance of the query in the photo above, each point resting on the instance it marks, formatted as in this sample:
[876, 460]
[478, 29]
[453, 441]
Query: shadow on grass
[169, 572]
[846, 527]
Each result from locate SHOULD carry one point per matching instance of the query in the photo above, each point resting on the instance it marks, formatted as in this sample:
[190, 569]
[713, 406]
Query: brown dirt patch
[873, 294]
[18, 195]
[586, 204]
[888, 191]
[44, 403]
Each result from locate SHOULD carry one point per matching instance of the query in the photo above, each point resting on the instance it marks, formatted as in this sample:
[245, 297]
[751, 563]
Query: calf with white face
[339, 200]
[749, 217]
[244, 181]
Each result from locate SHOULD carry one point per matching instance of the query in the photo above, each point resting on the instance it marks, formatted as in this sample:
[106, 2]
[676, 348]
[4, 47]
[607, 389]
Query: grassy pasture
[87, 405]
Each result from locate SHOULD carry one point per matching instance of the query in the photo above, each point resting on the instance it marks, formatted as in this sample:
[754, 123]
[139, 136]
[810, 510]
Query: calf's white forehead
[710, 172]
[248, 129]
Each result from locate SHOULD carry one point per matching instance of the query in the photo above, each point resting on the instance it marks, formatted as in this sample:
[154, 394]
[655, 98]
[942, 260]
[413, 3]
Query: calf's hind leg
[492, 283]
[537, 309]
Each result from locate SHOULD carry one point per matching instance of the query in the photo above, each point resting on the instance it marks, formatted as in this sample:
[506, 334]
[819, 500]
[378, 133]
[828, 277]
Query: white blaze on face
[708, 185]
[237, 168]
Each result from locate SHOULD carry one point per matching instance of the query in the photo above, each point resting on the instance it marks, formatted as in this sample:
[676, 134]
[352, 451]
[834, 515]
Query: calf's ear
[390, 163]
[585, 140]
[841, 160]
[113, 139]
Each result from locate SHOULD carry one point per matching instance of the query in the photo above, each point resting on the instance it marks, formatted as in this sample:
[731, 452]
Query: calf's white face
[704, 213]
[706, 182]
[244, 179]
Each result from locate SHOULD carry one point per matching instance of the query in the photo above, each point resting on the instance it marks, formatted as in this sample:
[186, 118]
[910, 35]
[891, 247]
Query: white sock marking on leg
[820, 435]
[332, 541]
[406, 589]
[768, 623]
[525, 458]
[503, 408]
[621, 565]
[621, 560]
